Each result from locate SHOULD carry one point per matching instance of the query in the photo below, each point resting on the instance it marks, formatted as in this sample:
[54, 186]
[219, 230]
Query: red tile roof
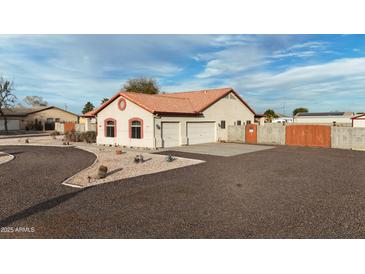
[191, 102]
[89, 114]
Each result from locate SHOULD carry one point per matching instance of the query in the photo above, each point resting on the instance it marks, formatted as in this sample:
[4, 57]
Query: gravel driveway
[285, 192]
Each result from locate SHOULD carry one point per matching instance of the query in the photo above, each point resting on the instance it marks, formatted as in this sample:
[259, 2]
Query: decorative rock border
[5, 157]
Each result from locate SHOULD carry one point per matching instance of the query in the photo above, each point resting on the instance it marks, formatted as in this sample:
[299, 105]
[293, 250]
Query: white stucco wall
[323, 120]
[229, 109]
[122, 118]
[359, 122]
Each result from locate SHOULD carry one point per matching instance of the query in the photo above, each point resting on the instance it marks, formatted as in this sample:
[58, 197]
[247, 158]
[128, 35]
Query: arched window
[110, 128]
[136, 128]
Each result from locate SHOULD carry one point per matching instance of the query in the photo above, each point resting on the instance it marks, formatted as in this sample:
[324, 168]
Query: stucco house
[358, 120]
[40, 118]
[324, 118]
[88, 121]
[168, 120]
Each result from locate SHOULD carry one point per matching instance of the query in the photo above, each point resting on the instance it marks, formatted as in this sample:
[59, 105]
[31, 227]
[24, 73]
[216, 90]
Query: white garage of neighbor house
[168, 120]
[358, 121]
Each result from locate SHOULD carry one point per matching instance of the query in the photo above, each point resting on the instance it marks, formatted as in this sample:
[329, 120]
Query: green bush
[54, 133]
[89, 137]
[75, 136]
[72, 136]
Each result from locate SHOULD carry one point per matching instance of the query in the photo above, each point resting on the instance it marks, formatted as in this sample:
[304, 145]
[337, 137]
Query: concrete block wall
[348, 138]
[80, 127]
[60, 127]
[236, 134]
[273, 134]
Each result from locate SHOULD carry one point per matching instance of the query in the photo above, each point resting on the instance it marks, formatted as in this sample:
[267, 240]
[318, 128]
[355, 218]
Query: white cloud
[232, 60]
[302, 50]
[339, 84]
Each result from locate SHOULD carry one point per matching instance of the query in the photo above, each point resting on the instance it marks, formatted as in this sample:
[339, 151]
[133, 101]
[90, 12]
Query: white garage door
[12, 125]
[200, 133]
[170, 134]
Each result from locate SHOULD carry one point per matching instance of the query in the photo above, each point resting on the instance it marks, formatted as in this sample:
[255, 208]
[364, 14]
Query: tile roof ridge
[202, 90]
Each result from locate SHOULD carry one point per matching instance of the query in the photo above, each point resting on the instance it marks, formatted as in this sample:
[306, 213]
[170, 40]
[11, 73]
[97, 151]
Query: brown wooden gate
[308, 135]
[68, 126]
[251, 134]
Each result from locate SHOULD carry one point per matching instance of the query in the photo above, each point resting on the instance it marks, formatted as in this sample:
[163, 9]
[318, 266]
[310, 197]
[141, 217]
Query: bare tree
[7, 99]
[35, 101]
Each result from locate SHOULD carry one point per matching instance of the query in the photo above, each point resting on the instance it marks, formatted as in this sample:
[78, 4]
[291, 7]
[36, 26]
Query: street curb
[65, 182]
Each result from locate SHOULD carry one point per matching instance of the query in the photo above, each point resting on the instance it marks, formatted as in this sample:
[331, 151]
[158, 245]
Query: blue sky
[320, 72]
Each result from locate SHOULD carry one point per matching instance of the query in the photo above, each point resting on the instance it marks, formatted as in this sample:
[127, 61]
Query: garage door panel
[12, 124]
[170, 134]
[200, 133]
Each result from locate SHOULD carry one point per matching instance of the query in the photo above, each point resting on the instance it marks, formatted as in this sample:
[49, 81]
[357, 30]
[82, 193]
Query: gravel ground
[285, 192]
[4, 157]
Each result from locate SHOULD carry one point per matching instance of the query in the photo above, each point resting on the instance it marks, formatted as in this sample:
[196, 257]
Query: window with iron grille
[223, 124]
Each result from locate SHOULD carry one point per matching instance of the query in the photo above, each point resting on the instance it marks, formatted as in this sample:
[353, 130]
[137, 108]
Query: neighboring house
[41, 118]
[358, 120]
[88, 120]
[324, 118]
[282, 120]
[260, 119]
[174, 119]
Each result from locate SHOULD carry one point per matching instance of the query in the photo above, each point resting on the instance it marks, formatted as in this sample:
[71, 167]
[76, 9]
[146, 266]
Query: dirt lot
[285, 192]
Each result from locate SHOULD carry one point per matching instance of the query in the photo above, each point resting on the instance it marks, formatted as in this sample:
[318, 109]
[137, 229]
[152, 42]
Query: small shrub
[71, 136]
[26, 141]
[75, 136]
[54, 134]
[88, 137]
[138, 159]
[170, 158]
[102, 172]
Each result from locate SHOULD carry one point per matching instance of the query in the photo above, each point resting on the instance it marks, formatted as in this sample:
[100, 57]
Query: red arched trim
[115, 126]
[122, 104]
[130, 126]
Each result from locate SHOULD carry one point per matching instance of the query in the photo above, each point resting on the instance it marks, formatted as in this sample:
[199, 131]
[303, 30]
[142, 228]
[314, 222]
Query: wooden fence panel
[308, 135]
[69, 126]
